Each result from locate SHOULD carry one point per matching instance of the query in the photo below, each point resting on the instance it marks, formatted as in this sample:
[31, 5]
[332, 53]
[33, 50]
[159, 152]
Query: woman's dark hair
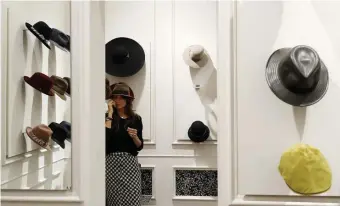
[132, 116]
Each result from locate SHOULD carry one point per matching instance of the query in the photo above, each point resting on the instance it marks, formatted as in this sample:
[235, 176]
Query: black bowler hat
[41, 30]
[59, 134]
[123, 57]
[297, 75]
[67, 126]
[45, 34]
[198, 132]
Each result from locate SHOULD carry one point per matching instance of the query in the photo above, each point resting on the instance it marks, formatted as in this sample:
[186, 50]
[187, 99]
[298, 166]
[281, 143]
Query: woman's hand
[132, 132]
[110, 105]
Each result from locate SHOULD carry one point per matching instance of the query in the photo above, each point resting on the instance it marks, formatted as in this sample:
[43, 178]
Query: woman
[123, 142]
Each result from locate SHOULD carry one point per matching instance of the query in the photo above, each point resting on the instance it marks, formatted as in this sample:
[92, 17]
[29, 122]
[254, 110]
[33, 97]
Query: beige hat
[60, 86]
[40, 134]
[305, 170]
[195, 56]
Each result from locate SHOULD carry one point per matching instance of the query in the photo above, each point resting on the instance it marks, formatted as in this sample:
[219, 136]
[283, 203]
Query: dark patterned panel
[146, 181]
[196, 183]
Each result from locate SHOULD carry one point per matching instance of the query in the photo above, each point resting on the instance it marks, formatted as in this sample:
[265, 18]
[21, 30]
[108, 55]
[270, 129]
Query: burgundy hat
[122, 89]
[40, 82]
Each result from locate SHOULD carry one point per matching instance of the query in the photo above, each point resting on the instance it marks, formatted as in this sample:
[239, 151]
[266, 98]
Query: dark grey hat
[297, 75]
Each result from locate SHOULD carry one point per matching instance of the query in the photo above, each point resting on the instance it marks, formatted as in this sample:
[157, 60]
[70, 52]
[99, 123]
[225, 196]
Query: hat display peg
[297, 75]
[195, 56]
[198, 132]
[197, 86]
[124, 57]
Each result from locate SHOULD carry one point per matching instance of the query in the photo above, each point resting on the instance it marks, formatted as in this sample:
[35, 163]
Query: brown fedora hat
[40, 134]
[40, 82]
[121, 89]
[59, 86]
[297, 75]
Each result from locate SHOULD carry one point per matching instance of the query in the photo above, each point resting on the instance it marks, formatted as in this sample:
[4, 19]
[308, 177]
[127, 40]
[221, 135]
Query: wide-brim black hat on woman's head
[198, 132]
[123, 57]
[42, 31]
[297, 75]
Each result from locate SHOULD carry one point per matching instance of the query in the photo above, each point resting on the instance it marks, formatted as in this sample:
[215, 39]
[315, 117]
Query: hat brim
[33, 138]
[59, 46]
[60, 143]
[196, 65]
[133, 65]
[199, 138]
[277, 87]
[62, 96]
[36, 34]
[28, 81]
[309, 194]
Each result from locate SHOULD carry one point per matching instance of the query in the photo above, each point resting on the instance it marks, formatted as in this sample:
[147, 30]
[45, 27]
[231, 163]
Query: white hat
[195, 56]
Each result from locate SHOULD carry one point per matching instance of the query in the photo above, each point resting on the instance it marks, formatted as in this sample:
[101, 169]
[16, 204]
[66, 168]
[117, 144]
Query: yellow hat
[305, 170]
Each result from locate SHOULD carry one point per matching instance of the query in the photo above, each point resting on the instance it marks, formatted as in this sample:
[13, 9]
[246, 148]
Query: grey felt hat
[297, 75]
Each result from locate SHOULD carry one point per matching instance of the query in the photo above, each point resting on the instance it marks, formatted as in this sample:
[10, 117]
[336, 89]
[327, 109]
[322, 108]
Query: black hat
[297, 75]
[124, 57]
[61, 40]
[67, 126]
[41, 30]
[198, 132]
[59, 134]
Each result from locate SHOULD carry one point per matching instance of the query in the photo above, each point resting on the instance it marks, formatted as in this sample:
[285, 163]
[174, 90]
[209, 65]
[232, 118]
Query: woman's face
[120, 101]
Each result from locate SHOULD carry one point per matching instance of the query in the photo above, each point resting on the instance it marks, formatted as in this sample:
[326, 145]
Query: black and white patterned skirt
[123, 180]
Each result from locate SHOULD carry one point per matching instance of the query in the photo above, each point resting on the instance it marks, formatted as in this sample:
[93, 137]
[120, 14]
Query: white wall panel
[194, 23]
[24, 164]
[266, 126]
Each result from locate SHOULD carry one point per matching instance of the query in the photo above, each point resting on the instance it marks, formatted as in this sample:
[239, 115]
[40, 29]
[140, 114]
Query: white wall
[24, 164]
[266, 126]
[166, 98]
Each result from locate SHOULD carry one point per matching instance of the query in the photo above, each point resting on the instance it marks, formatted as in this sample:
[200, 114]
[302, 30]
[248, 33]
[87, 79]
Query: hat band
[120, 92]
[40, 142]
